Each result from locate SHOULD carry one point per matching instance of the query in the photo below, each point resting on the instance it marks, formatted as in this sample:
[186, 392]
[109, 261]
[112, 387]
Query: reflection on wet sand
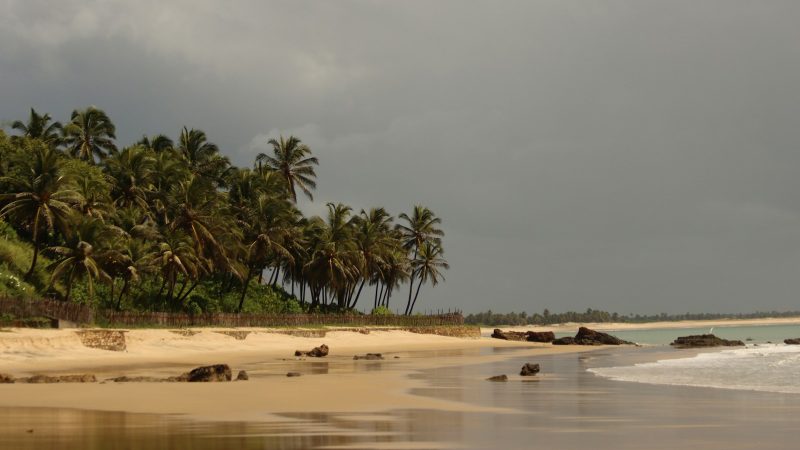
[568, 408]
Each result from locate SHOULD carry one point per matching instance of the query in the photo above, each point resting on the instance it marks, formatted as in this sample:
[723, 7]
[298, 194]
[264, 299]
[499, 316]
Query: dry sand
[615, 326]
[336, 383]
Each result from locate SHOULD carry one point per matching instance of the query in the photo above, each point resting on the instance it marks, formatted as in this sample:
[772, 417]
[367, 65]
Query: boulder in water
[529, 370]
[216, 372]
[316, 352]
[498, 378]
[795, 341]
[704, 340]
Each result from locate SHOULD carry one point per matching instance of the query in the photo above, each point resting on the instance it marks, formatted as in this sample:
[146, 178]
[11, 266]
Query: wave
[766, 368]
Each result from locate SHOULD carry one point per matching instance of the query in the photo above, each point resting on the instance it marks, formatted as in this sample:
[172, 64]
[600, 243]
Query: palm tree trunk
[191, 288]
[121, 292]
[35, 245]
[415, 299]
[244, 289]
[375, 303]
[69, 284]
[364, 280]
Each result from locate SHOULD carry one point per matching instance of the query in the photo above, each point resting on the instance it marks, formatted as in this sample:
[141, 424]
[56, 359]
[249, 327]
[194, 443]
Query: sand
[336, 383]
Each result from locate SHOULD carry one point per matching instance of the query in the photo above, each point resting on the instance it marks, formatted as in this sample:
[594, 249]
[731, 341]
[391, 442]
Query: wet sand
[565, 408]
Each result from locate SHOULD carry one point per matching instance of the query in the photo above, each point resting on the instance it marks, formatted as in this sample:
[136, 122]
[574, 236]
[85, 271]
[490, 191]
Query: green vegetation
[174, 226]
[489, 318]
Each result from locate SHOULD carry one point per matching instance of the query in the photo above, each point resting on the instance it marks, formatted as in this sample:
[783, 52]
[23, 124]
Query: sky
[633, 156]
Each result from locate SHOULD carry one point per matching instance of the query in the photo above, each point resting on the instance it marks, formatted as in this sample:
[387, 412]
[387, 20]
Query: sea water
[760, 366]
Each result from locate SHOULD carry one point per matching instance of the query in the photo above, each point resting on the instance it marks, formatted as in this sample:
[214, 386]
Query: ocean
[765, 364]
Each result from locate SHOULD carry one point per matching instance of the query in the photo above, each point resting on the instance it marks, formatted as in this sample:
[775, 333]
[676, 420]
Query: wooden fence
[84, 315]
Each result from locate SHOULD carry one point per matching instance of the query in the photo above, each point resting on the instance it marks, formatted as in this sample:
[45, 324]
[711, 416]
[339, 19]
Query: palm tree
[428, 267]
[156, 144]
[39, 127]
[89, 134]
[421, 227]
[40, 197]
[374, 240]
[202, 157]
[175, 256]
[81, 255]
[131, 170]
[291, 161]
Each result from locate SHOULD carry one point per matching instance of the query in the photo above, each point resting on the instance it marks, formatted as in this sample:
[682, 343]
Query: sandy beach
[334, 383]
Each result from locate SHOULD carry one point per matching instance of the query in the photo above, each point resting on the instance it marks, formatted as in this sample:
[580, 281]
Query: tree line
[172, 225]
[489, 318]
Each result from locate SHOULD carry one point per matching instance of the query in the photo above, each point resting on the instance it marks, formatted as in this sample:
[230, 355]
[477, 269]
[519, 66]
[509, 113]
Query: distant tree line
[490, 318]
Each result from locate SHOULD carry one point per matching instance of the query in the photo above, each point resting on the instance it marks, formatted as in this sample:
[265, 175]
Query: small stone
[529, 370]
[293, 374]
[498, 378]
[242, 376]
[6, 378]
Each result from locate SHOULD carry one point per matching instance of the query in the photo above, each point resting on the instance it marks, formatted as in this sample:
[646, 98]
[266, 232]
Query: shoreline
[623, 326]
[336, 383]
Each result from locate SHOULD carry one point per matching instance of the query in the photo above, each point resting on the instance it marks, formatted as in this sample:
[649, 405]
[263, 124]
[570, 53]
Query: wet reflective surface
[564, 407]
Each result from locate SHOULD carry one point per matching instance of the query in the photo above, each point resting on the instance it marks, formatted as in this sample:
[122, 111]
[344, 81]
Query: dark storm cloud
[627, 155]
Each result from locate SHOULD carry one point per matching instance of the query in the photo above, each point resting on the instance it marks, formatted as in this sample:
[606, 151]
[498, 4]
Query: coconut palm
[175, 256]
[132, 172]
[428, 266]
[87, 244]
[374, 240]
[40, 197]
[420, 227]
[39, 126]
[156, 144]
[202, 157]
[291, 161]
[90, 134]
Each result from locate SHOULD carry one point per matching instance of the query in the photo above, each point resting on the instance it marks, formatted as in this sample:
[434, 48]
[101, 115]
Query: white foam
[768, 368]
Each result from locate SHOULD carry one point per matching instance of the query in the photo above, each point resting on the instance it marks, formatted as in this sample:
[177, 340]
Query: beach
[429, 391]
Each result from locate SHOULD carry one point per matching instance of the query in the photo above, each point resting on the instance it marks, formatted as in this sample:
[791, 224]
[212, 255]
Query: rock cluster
[316, 352]
[795, 341]
[529, 370]
[704, 340]
[369, 356]
[498, 378]
[529, 336]
[586, 336]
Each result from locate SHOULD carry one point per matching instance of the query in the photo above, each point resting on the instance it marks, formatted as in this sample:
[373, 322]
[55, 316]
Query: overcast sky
[636, 156]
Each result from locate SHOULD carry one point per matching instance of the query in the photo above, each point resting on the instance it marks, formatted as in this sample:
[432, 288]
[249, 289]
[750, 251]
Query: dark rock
[529, 370]
[369, 356]
[704, 340]
[316, 352]
[586, 336]
[217, 372]
[293, 374]
[38, 379]
[127, 379]
[6, 378]
[540, 336]
[529, 336]
[242, 376]
[498, 378]
[792, 341]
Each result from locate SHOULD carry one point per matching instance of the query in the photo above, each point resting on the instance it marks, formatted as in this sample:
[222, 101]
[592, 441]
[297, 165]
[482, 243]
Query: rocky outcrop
[39, 379]
[6, 378]
[498, 378]
[704, 340]
[564, 341]
[792, 341]
[529, 336]
[369, 356]
[586, 336]
[316, 352]
[127, 379]
[217, 372]
[293, 374]
[529, 370]
[113, 340]
[242, 376]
